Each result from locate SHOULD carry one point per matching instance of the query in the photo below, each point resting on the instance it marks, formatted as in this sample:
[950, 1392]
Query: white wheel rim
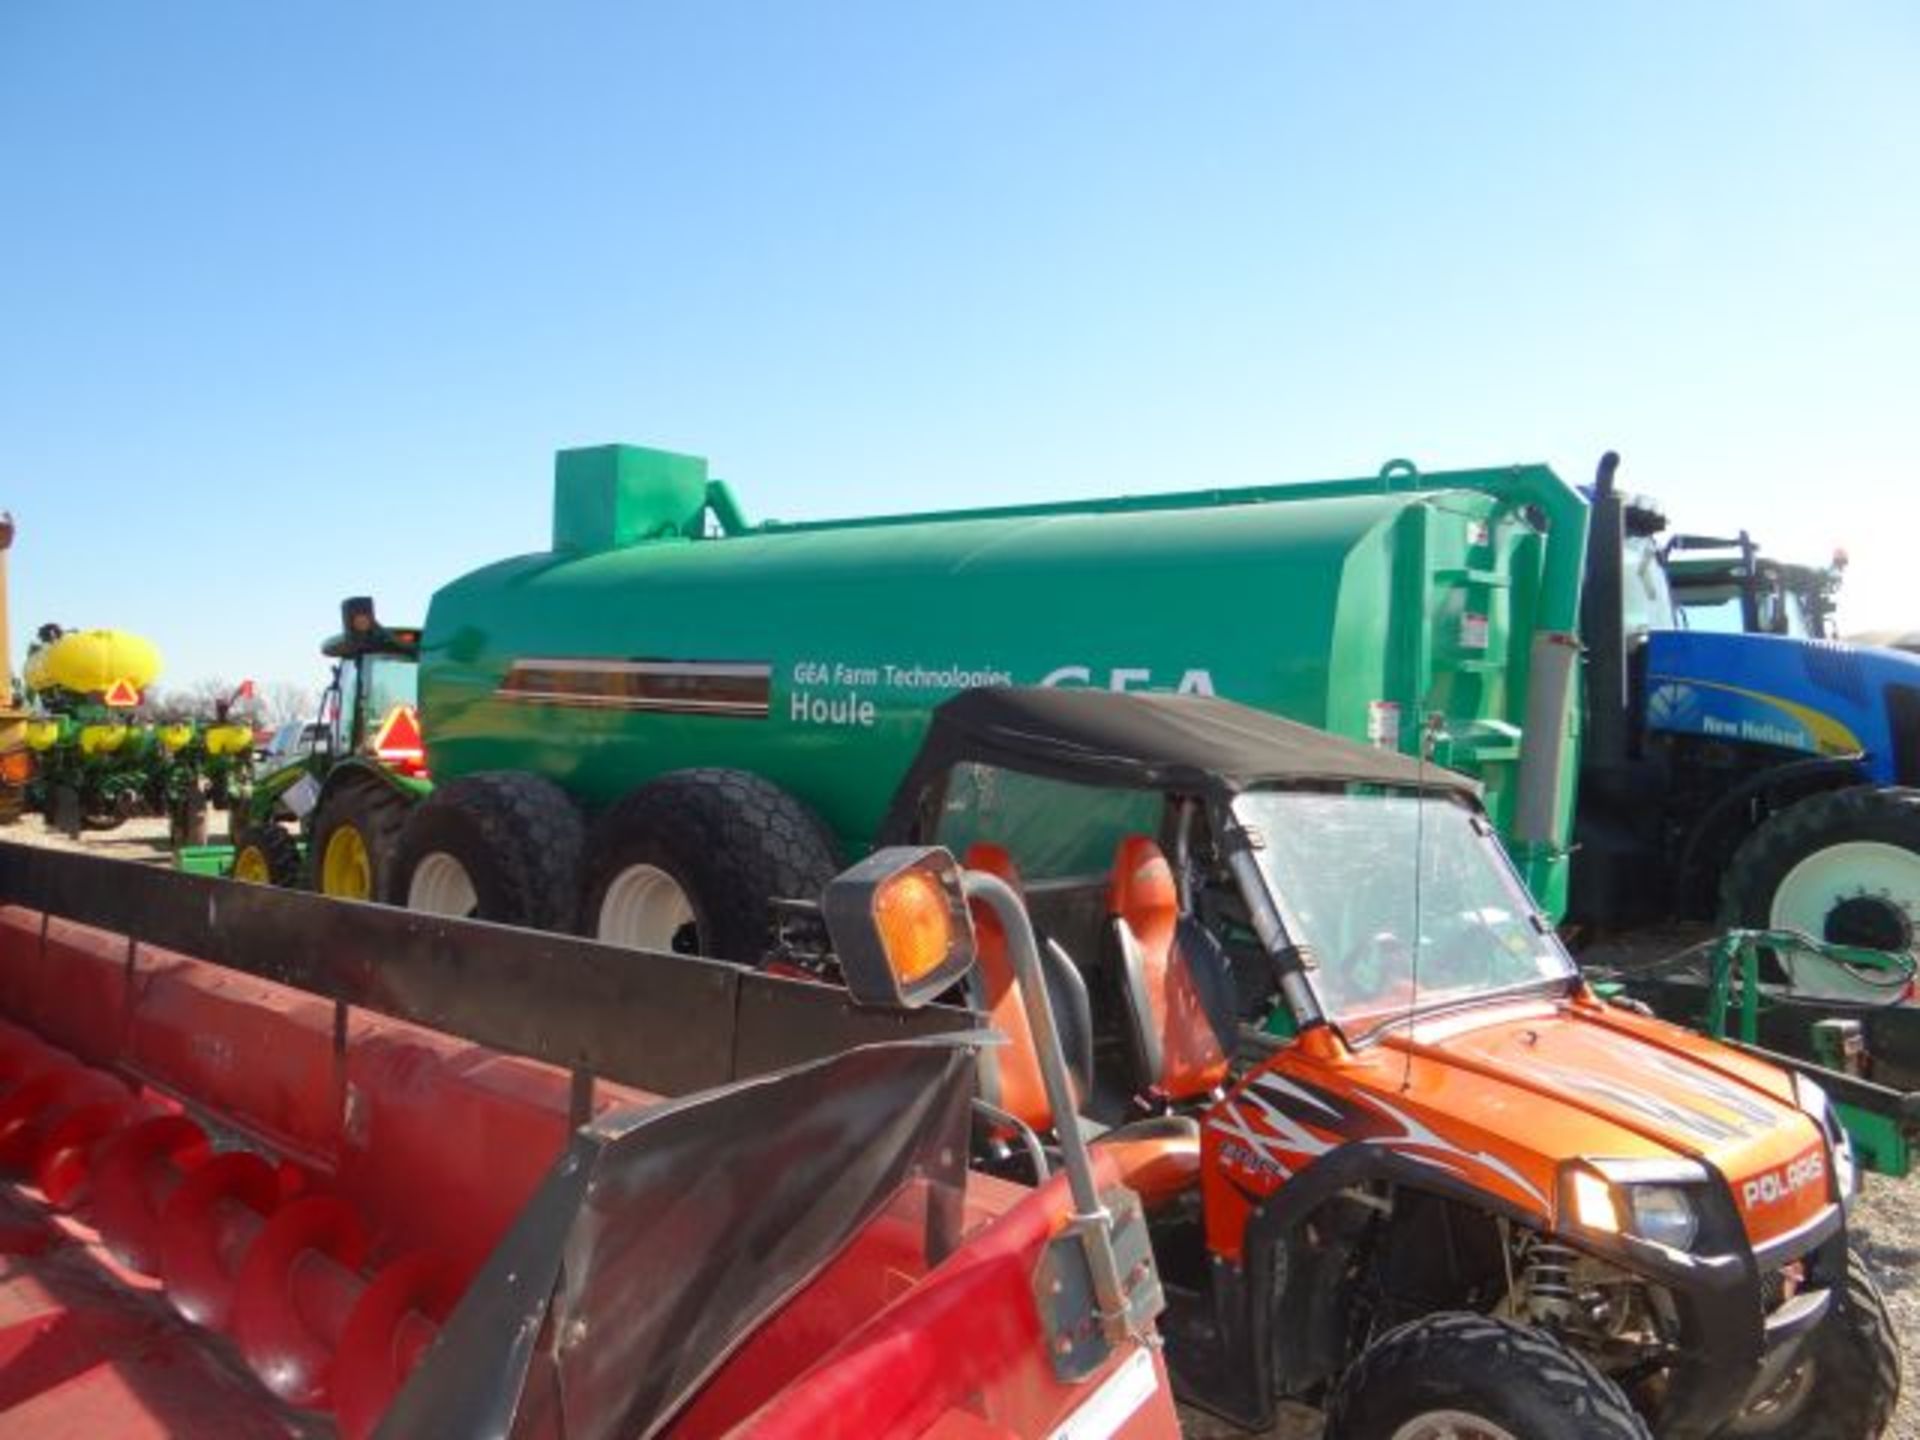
[1450, 1425]
[644, 909]
[441, 886]
[1853, 869]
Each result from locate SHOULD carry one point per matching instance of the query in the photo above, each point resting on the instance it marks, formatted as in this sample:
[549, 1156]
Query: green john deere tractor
[331, 794]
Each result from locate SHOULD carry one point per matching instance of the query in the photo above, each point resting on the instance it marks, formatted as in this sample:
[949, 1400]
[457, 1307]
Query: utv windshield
[1408, 903]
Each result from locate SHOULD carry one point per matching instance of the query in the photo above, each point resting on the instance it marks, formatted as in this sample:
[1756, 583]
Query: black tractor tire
[1888, 816]
[1472, 1367]
[1848, 1380]
[514, 839]
[275, 853]
[187, 821]
[64, 813]
[730, 841]
[379, 813]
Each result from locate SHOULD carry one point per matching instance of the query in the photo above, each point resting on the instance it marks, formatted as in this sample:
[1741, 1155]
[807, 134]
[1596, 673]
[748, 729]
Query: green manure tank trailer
[670, 715]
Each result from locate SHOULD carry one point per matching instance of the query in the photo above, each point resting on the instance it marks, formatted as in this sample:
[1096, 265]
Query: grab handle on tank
[1399, 475]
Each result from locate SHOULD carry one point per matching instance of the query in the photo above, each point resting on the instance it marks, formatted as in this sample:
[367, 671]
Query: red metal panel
[258, 1054]
[444, 1141]
[964, 1345]
[71, 991]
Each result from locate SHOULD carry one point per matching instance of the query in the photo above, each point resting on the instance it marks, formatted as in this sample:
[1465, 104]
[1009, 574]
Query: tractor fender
[268, 788]
[359, 770]
[1718, 831]
[1239, 1383]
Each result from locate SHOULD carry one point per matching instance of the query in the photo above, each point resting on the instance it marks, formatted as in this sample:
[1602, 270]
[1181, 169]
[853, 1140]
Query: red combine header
[278, 1165]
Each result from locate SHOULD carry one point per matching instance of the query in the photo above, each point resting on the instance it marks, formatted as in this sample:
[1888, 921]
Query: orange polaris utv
[1397, 1158]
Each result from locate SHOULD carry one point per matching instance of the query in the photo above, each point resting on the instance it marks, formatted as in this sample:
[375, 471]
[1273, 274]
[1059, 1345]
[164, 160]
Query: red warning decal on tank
[677, 687]
[1383, 724]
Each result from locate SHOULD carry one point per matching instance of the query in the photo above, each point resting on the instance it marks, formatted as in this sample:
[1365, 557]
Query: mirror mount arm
[1092, 1221]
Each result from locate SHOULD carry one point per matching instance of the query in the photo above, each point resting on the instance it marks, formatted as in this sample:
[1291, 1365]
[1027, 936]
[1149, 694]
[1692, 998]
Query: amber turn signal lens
[915, 924]
[16, 767]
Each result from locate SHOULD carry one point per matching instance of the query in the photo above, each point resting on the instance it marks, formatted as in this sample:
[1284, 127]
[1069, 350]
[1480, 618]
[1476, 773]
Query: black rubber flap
[666, 1236]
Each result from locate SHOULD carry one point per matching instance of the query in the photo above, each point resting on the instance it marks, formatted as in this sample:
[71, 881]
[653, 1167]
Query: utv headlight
[1664, 1214]
[1652, 1200]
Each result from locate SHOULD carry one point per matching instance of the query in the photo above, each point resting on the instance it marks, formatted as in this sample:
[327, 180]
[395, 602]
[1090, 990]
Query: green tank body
[651, 639]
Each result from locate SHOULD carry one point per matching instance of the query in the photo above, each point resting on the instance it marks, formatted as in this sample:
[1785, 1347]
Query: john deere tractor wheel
[266, 855]
[1843, 867]
[1460, 1376]
[501, 846]
[689, 862]
[355, 835]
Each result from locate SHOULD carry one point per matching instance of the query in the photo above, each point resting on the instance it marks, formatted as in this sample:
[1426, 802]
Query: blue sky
[297, 300]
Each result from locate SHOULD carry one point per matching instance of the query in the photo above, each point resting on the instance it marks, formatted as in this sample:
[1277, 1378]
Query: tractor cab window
[1646, 600]
[391, 681]
[1715, 609]
[1407, 903]
[1781, 609]
[371, 687]
[1053, 829]
[343, 719]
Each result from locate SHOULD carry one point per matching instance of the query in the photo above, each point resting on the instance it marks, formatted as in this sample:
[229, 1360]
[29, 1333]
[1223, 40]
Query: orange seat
[1010, 1076]
[1178, 1052]
[1159, 1158]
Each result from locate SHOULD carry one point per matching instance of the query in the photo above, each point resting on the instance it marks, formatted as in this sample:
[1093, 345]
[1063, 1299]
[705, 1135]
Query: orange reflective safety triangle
[122, 695]
[399, 737]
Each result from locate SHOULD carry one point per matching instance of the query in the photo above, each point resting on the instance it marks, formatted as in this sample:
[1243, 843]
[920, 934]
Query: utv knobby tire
[1887, 816]
[730, 840]
[1853, 1383]
[1520, 1379]
[378, 812]
[278, 853]
[517, 837]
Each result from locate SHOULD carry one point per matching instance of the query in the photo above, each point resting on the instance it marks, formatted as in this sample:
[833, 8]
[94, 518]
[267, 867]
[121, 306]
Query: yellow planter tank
[102, 739]
[228, 739]
[90, 662]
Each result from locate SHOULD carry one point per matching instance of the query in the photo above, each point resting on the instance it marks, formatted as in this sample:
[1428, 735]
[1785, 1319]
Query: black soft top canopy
[1148, 742]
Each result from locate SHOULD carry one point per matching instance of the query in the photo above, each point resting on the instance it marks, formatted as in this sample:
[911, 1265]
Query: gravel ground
[1887, 1232]
[144, 839]
[1887, 1223]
